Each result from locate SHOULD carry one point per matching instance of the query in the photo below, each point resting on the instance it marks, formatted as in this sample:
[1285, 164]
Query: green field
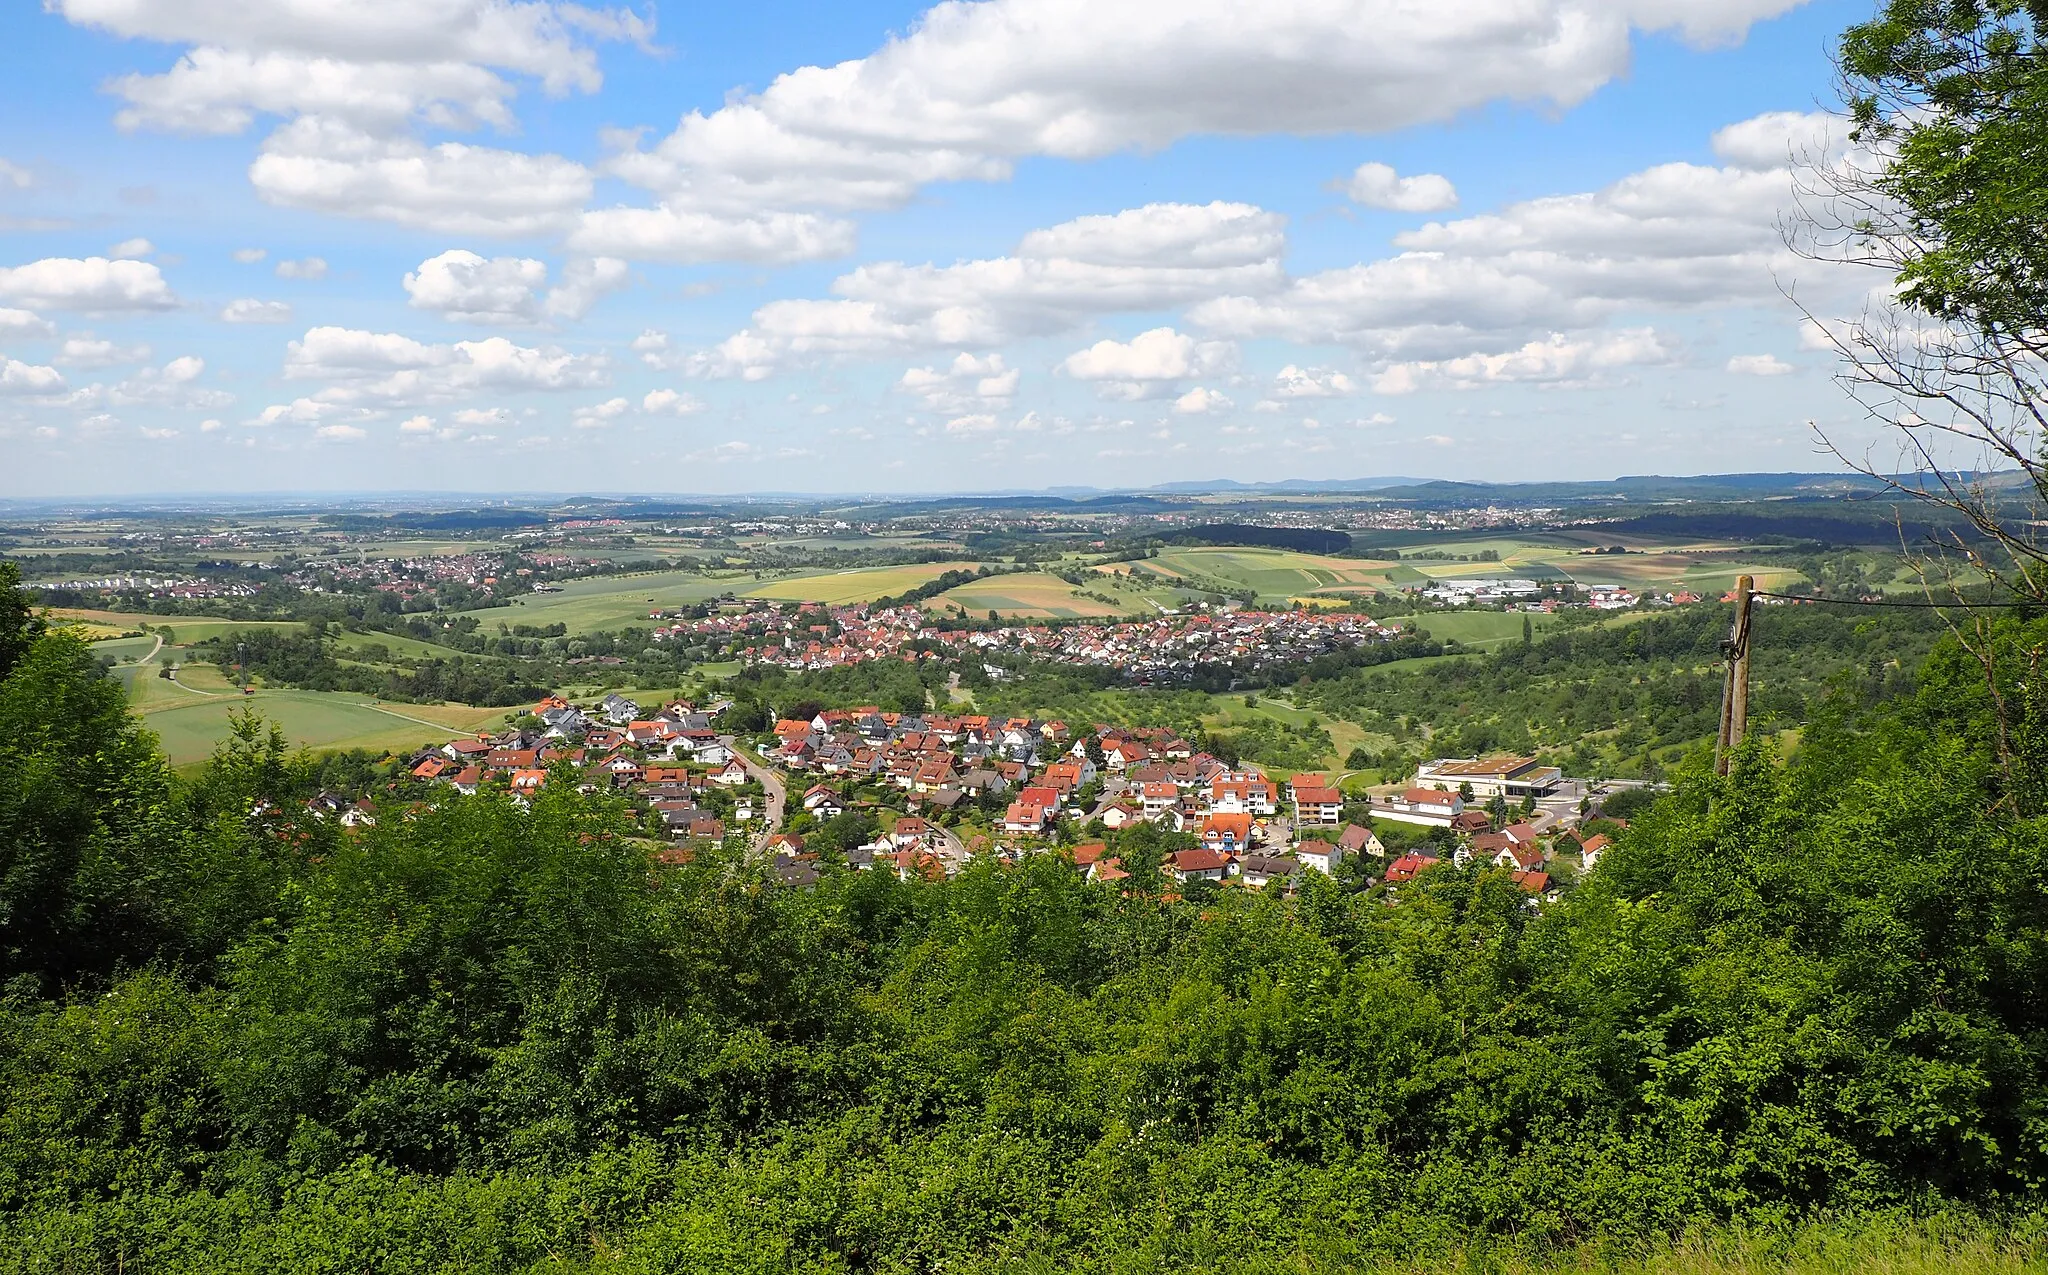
[190, 715]
[613, 602]
[1475, 628]
[184, 629]
[1276, 575]
[394, 643]
[318, 720]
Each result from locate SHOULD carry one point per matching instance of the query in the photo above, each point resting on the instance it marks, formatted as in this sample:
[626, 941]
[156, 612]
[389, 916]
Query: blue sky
[451, 244]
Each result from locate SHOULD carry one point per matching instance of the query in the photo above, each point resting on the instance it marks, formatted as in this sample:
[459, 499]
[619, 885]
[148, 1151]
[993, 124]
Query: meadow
[602, 603]
[190, 715]
[184, 629]
[191, 728]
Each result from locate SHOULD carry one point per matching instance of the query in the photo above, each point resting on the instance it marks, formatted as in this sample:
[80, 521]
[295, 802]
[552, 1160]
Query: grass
[190, 727]
[603, 603]
[1921, 1249]
[184, 629]
[191, 714]
[1478, 629]
[394, 643]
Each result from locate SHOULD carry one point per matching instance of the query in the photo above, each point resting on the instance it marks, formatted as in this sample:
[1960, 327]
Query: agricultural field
[1038, 595]
[862, 584]
[190, 714]
[1276, 575]
[1663, 563]
[320, 720]
[602, 603]
[184, 629]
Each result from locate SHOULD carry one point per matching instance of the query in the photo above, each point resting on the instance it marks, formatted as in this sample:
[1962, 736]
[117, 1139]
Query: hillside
[1801, 999]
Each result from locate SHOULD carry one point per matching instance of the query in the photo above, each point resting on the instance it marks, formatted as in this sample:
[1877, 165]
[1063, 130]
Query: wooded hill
[237, 1037]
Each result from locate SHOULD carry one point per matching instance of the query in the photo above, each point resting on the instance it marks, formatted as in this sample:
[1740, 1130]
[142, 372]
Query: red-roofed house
[1228, 832]
[1237, 791]
[1316, 805]
[1023, 816]
[1199, 865]
[1520, 858]
[1158, 798]
[1407, 866]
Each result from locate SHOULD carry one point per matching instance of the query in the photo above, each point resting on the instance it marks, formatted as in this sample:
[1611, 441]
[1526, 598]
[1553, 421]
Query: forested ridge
[234, 1037]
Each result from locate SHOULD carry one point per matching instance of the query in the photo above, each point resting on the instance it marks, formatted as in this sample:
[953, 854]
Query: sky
[498, 245]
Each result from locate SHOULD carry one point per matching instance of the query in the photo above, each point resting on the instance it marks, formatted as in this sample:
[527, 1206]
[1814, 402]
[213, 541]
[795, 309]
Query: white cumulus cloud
[683, 236]
[974, 87]
[25, 323]
[1558, 361]
[1295, 382]
[386, 369]
[462, 286]
[326, 165]
[1147, 365]
[599, 415]
[87, 350]
[17, 377]
[1379, 186]
[969, 381]
[252, 310]
[1759, 365]
[1149, 258]
[375, 62]
[90, 284]
[584, 281]
[1201, 401]
[667, 402]
[307, 268]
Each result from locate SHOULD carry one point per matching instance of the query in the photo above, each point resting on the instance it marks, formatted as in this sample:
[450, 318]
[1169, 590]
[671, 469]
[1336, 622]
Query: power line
[1873, 602]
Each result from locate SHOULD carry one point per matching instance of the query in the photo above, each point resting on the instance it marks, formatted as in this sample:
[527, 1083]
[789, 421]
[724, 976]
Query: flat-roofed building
[1512, 777]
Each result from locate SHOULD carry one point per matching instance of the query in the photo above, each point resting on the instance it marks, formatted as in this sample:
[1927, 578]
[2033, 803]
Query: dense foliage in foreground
[486, 1039]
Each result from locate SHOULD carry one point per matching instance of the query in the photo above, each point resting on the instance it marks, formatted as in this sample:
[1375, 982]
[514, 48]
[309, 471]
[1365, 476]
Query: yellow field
[1033, 595]
[844, 588]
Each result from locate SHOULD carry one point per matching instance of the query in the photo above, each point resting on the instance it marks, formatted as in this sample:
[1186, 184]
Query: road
[778, 796]
[951, 848]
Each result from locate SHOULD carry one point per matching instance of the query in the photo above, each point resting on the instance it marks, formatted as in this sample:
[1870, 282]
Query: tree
[1943, 189]
[20, 626]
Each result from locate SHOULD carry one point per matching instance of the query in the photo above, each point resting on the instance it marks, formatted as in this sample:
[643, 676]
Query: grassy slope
[190, 727]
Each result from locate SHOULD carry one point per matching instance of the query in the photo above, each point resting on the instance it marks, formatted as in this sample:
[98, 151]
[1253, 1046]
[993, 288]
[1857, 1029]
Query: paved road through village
[778, 796]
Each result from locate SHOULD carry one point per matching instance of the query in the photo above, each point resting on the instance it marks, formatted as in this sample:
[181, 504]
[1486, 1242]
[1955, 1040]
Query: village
[1169, 647]
[932, 792]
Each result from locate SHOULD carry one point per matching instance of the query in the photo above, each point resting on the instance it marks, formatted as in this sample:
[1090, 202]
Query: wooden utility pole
[1735, 691]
